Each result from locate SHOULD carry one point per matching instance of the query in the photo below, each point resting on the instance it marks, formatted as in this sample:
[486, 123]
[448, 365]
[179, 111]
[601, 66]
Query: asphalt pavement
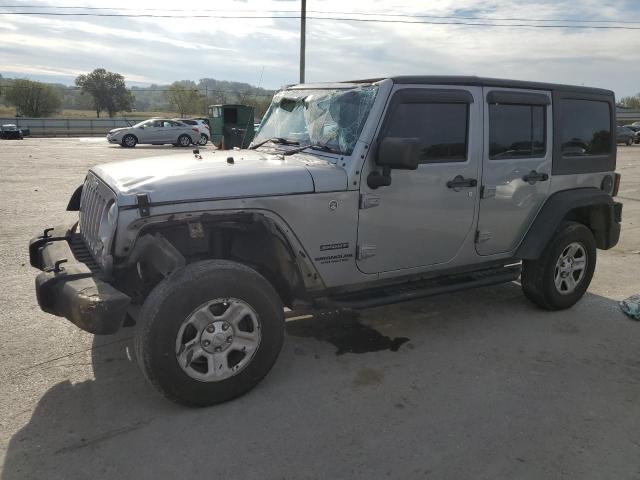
[475, 385]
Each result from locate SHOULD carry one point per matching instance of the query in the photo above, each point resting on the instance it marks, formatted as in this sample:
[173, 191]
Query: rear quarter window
[586, 129]
[584, 132]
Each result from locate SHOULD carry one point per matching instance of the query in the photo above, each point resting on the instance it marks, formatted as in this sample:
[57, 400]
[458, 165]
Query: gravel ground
[486, 386]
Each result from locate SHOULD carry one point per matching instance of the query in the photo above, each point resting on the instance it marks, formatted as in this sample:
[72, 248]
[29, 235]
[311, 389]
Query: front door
[516, 166]
[152, 132]
[424, 217]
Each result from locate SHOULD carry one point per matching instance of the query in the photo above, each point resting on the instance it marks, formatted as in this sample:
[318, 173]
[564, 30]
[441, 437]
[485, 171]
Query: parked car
[10, 132]
[351, 196]
[625, 135]
[201, 125]
[156, 131]
[636, 130]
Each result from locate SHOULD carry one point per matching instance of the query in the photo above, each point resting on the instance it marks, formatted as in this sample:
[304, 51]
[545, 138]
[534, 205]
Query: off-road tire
[174, 299]
[129, 141]
[538, 276]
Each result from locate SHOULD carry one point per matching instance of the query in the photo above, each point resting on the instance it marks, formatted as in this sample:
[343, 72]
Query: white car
[155, 131]
[201, 125]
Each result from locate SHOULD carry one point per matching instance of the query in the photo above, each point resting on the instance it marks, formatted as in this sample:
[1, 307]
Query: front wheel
[129, 141]
[209, 332]
[630, 142]
[562, 274]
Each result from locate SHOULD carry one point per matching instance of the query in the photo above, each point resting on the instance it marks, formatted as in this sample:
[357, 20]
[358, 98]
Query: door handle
[459, 181]
[533, 177]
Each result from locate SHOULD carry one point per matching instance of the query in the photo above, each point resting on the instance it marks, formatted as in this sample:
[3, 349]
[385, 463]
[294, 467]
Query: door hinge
[366, 251]
[142, 201]
[487, 191]
[369, 200]
[483, 236]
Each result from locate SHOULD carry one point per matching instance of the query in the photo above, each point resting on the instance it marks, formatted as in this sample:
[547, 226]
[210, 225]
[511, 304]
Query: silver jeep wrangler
[352, 195]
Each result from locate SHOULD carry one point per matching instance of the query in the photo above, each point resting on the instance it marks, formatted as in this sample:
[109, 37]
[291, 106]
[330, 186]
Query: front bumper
[113, 139]
[71, 286]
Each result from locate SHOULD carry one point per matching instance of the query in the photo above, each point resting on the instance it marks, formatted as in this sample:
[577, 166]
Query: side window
[516, 131]
[441, 127]
[586, 128]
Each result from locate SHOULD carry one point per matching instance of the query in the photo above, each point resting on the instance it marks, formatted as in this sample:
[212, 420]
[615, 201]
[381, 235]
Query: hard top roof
[484, 82]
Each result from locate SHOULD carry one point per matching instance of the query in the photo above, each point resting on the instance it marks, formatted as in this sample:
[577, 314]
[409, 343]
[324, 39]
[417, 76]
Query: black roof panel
[488, 82]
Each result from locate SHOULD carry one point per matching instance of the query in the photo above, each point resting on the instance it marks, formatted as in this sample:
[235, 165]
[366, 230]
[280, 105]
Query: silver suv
[352, 195]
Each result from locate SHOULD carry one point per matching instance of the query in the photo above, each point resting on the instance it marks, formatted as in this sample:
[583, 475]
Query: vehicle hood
[182, 177]
[116, 130]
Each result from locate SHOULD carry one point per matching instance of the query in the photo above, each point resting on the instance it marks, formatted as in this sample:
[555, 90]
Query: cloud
[163, 50]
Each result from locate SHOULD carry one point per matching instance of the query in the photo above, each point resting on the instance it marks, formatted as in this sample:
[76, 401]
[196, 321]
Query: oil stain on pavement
[345, 332]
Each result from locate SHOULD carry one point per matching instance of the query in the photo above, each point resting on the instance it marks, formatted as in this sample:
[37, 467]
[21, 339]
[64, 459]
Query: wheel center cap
[567, 267]
[216, 337]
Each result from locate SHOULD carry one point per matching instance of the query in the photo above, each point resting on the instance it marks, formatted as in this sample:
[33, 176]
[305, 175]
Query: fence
[69, 127]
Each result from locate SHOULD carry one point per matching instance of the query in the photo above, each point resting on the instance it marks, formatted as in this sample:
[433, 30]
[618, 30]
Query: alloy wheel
[570, 268]
[218, 339]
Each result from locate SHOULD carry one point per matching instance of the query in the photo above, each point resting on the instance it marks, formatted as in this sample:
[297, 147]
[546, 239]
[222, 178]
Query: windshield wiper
[278, 140]
[314, 146]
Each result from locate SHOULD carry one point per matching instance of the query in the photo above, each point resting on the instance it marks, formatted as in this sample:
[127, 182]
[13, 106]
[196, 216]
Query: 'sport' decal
[333, 246]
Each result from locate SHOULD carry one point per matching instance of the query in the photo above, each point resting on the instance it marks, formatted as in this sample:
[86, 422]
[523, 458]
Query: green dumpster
[233, 123]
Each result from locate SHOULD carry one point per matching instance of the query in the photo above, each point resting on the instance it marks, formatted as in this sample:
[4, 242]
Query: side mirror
[394, 152]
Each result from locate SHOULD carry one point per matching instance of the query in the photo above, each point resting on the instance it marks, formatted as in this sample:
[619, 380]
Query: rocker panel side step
[425, 288]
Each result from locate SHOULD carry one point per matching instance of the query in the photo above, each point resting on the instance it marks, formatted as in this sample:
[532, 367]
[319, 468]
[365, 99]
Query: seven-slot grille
[94, 203]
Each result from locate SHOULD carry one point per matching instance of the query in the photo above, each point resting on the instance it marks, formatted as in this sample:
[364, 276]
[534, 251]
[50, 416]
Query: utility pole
[303, 33]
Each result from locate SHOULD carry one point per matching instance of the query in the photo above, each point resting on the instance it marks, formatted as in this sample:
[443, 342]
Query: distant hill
[152, 98]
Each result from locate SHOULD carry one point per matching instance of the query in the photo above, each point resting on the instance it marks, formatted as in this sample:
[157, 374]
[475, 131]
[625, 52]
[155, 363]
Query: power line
[325, 12]
[340, 19]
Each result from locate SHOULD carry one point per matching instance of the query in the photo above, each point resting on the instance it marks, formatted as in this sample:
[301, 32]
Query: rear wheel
[203, 139]
[562, 274]
[209, 332]
[184, 141]
[630, 141]
[129, 141]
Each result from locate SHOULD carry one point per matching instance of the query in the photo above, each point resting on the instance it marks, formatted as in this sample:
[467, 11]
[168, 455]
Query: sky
[265, 52]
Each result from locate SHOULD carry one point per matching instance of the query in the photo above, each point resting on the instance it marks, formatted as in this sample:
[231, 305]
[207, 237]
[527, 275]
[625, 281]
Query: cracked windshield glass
[329, 120]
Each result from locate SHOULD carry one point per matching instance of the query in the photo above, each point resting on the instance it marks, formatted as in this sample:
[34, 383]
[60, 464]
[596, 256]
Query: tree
[108, 91]
[184, 97]
[33, 99]
[630, 102]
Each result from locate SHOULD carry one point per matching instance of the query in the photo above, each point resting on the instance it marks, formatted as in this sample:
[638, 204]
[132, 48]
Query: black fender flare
[590, 205]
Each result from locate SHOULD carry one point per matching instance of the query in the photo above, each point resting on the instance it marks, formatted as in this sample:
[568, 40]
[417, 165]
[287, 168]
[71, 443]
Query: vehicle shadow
[399, 389]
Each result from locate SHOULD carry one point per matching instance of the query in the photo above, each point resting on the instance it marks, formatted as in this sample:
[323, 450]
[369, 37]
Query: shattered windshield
[330, 119]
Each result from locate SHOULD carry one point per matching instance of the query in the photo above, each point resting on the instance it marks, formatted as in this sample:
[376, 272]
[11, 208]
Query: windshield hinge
[142, 201]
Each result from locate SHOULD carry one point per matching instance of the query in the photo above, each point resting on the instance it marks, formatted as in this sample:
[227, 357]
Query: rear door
[516, 165]
[424, 217]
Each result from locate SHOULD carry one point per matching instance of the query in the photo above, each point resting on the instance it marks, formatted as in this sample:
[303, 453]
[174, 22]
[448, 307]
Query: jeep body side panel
[601, 211]
[508, 202]
[319, 227]
[418, 222]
